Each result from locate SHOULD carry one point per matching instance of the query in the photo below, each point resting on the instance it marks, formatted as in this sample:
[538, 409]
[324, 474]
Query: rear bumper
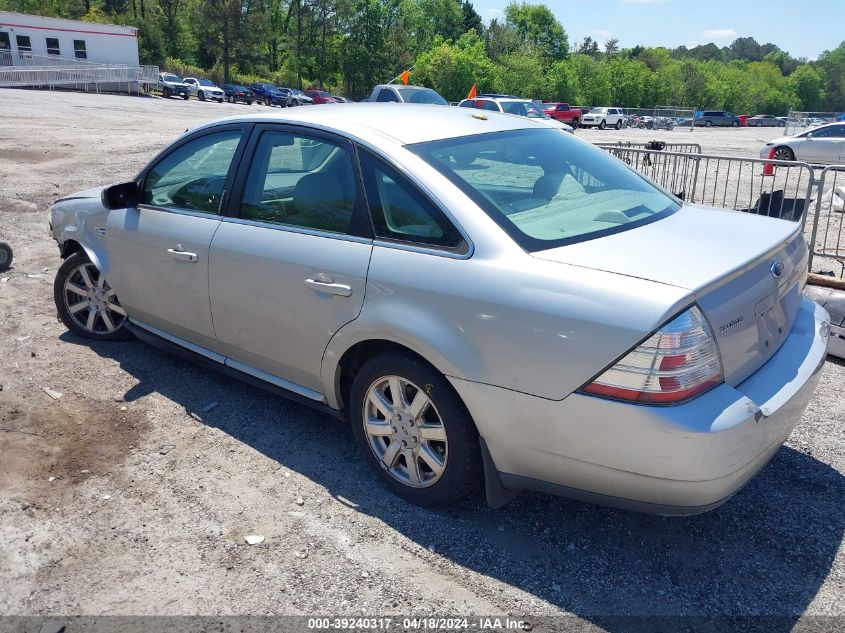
[682, 459]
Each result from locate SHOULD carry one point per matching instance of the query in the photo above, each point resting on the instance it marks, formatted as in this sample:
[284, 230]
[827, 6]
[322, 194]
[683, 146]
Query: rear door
[289, 267]
[158, 252]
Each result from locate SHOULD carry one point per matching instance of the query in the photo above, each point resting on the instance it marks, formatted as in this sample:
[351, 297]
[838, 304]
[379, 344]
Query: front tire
[185, 97]
[603, 124]
[708, 124]
[87, 305]
[575, 123]
[6, 256]
[414, 431]
[783, 153]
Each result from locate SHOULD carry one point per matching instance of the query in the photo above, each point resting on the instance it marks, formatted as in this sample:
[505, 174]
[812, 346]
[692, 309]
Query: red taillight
[678, 362]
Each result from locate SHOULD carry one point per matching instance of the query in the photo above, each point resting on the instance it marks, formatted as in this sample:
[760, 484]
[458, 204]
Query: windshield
[206, 82]
[545, 188]
[422, 95]
[598, 111]
[172, 79]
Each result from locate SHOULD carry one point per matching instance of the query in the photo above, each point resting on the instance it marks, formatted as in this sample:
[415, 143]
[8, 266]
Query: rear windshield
[546, 188]
[422, 95]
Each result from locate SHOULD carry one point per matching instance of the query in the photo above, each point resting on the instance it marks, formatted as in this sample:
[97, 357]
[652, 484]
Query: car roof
[403, 123]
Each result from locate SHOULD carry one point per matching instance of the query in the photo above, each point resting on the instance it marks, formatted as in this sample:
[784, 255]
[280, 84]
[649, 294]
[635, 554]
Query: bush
[183, 69]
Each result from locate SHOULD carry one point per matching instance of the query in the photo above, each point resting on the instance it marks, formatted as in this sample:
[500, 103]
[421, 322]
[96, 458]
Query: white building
[24, 37]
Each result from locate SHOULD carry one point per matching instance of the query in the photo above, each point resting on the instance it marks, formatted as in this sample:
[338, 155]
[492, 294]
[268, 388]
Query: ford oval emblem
[777, 268]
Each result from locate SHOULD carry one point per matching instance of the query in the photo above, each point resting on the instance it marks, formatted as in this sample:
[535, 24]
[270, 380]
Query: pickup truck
[399, 93]
[562, 112]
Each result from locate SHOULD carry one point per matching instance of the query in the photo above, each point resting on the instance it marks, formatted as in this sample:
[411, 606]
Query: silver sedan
[823, 145]
[482, 297]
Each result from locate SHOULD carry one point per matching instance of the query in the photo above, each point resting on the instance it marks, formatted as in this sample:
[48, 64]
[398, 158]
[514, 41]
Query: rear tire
[6, 256]
[428, 416]
[201, 95]
[619, 125]
[86, 303]
[575, 123]
[734, 124]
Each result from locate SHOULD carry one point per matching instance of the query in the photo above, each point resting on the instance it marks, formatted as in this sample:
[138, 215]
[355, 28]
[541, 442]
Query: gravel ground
[128, 495]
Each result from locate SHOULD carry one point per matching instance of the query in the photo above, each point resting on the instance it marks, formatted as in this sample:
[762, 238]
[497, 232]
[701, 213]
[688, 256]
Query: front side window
[79, 49]
[300, 181]
[193, 176]
[400, 211]
[24, 43]
[53, 46]
[547, 189]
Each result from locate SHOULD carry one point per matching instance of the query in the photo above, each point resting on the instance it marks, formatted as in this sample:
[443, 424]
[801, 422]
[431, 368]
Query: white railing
[21, 70]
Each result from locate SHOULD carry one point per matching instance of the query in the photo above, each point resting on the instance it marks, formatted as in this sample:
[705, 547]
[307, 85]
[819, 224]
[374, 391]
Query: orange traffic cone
[769, 168]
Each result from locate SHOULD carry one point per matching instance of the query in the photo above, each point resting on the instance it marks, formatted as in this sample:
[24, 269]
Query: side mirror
[121, 196]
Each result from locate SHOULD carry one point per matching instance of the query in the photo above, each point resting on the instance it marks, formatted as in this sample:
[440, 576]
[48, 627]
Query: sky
[804, 30]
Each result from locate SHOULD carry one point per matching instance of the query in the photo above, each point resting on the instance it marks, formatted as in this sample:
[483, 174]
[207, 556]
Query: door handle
[324, 283]
[183, 256]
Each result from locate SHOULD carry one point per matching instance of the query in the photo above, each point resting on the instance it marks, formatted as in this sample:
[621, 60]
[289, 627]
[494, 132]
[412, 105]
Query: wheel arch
[342, 365]
[71, 246]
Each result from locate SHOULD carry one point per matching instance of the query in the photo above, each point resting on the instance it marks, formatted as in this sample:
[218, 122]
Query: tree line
[348, 46]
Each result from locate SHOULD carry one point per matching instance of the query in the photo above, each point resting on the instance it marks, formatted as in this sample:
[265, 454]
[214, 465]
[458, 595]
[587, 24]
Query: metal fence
[827, 233]
[659, 118]
[684, 148]
[798, 121]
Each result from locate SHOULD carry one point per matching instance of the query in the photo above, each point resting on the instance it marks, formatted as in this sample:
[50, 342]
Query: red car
[562, 112]
[320, 96]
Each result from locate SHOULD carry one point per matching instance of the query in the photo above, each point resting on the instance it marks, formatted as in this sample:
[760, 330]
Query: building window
[79, 49]
[53, 46]
[24, 45]
[5, 44]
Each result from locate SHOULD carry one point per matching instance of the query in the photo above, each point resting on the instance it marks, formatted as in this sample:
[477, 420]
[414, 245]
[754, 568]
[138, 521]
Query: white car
[204, 89]
[516, 106]
[823, 145]
[603, 117]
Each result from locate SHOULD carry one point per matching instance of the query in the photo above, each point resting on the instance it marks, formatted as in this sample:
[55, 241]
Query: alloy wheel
[405, 431]
[91, 302]
[783, 153]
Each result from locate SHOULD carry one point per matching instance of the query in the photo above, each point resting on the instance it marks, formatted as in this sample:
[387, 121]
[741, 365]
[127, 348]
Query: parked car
[823, 145]
[765, 120]
[269, 95]
[204, 89]
[529, 286]
[719, 118]
[235, 93]
[514, 105]
[386, 93]
[6, 256]
[564, 113]
[320, 96]
[603, 117]
[340, 99]
[169, 85]
[295, 97]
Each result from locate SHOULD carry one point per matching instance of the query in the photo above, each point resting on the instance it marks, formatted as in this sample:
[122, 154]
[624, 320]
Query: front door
[825, 146]
[290, 269]
[158, 252]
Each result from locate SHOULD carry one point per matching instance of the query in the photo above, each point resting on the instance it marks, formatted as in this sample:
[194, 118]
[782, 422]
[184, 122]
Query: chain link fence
[798, 121]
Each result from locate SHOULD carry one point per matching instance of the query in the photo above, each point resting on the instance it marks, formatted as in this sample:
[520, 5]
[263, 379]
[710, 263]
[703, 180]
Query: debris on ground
[254, 539]
[164, 450]
[300, 501]
[55, 395]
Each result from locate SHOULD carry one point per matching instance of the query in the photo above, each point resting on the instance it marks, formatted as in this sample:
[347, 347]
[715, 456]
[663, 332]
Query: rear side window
[193, 176]
[401, 212]
[301, 181]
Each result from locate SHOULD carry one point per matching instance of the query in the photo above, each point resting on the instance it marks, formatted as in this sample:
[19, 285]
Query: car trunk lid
[745, 272]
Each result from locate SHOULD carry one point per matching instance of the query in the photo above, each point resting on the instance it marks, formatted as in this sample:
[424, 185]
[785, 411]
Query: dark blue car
[268, 94]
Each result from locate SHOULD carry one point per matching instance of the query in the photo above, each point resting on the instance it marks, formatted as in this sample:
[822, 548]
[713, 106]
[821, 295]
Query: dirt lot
[127, 496]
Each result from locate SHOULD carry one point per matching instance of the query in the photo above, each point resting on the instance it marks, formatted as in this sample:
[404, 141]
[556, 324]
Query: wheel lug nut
[414, 438]
[404, 443]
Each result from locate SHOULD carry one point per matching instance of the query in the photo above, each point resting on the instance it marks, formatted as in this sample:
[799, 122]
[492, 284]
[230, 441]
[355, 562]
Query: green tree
[521, 73]
[472, 21]
[452, 69]
[809, 88]
[536, 26]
